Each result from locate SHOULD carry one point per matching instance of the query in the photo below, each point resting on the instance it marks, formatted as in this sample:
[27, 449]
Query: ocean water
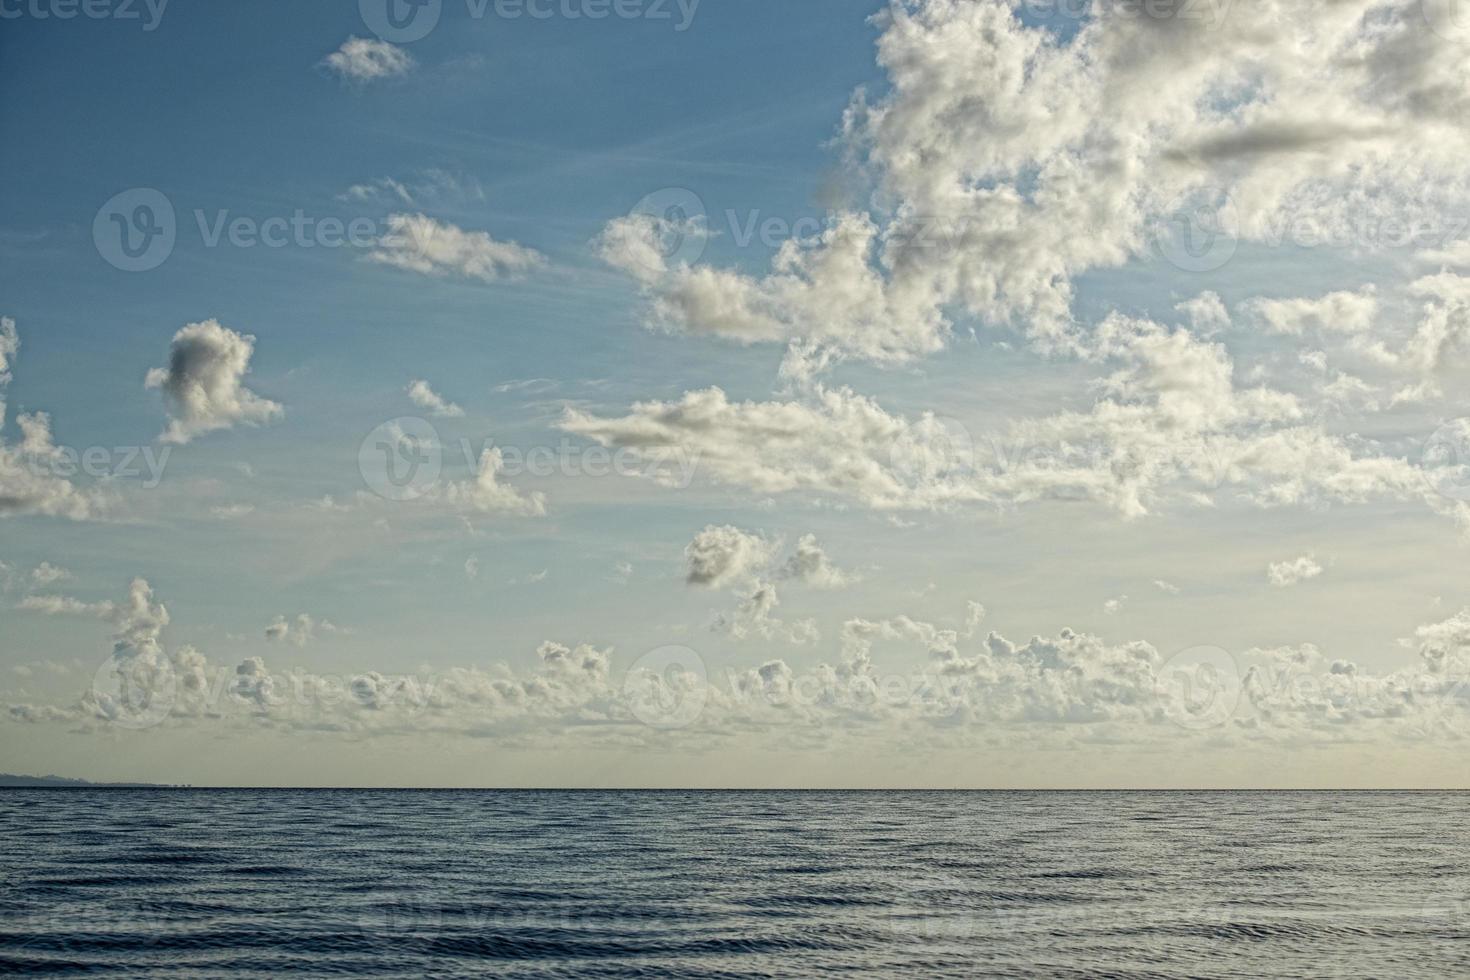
[201, 883]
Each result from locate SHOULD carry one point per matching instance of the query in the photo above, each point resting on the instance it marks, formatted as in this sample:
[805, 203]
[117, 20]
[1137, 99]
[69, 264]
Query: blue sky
[537, 139]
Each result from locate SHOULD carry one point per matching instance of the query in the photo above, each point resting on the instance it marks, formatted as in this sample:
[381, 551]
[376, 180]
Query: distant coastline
[11, 781]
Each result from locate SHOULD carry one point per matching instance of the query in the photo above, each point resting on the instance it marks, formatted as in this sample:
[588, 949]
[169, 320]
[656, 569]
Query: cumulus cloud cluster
[1171, 422]
[1009, 157]
[899, 679]
[747, 563]
[204, 383]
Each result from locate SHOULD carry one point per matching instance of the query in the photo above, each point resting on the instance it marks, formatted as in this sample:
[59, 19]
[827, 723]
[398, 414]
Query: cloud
[203, 383]
[1008, 159]
[722, 556]
[1340, 312]
[301, 631]
[425, 397]
[56, 605]
[31, 471]
[755, 617]
[365, 60]
[486, 494]
[9, 347]
[46, 574]
[811, 566]
[472, 567]
[1287, 573]
[420, 244]
[1171, 424]
[1056, 690]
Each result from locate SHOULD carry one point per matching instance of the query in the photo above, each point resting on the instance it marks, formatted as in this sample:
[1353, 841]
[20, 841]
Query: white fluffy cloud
[418, 243]
[364, 60]
[204, 383]
[1287, 573]
[432, 402]
[486, 494]
[963, 684]
[722, 556]
[31, 471]
[1008, 160]
[1171, 423]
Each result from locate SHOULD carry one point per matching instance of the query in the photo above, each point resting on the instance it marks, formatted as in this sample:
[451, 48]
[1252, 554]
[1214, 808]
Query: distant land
[8, 781]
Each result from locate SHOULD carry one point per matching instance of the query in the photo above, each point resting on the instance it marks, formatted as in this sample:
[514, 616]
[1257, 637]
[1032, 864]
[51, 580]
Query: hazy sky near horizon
[645, 392]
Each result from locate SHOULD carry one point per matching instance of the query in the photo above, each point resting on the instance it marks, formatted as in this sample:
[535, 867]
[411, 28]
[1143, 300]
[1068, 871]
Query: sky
[955, 393]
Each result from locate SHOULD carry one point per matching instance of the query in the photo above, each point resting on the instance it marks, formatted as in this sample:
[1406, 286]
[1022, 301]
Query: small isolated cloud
[1167, 587]
[1114, 606]
[61, 605]
[46, 574]
[203, 383]
[418, 243]
[430, 401]
[365, 60]
[300, 631]
[472, 567]
[1286, 573]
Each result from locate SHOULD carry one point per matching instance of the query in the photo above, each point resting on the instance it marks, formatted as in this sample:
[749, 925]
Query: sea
[351, 883]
